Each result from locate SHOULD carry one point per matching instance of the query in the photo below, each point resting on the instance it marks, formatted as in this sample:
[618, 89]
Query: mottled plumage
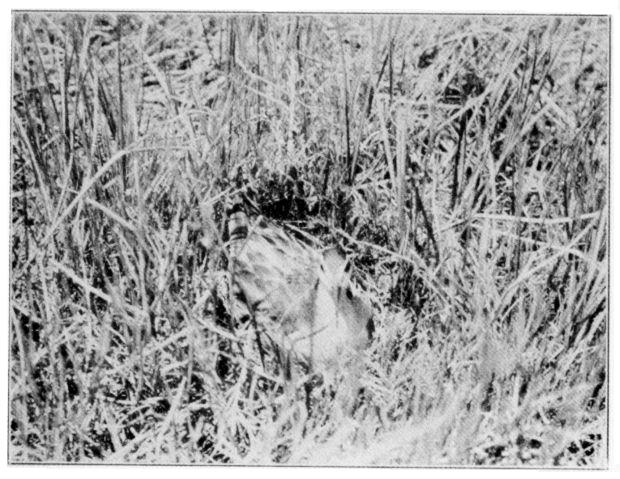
[305, 297]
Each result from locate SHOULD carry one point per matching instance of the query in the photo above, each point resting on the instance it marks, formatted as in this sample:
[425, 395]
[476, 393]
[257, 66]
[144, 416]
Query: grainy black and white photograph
[309, 239]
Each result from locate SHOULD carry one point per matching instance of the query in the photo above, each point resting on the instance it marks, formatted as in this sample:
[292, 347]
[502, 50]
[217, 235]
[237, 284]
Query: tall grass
[461, 161]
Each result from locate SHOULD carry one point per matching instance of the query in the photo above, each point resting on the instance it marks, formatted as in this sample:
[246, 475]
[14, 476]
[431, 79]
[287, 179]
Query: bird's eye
[349, 293]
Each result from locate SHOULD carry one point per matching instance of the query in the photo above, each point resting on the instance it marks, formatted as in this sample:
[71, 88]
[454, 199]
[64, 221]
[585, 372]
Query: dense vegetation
[461, 162]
